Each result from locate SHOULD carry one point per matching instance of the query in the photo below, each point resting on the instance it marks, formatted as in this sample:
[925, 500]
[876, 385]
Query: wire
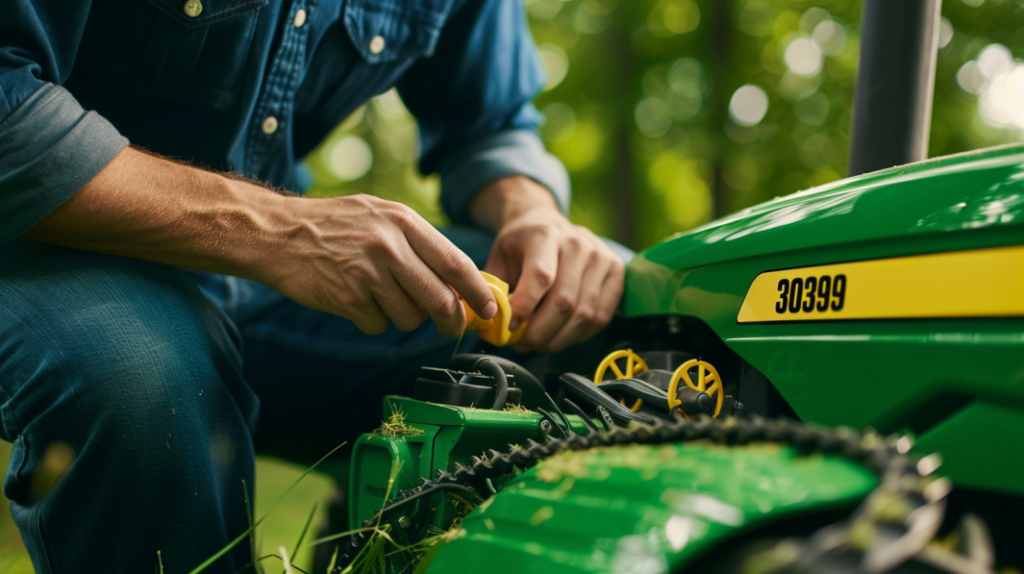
[583, 415]
[429, 491]
[554, 422]
[564, 418]
[497, 374]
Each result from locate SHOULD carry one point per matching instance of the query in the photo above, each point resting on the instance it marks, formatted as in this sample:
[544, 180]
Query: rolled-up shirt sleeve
[473, 101]
[510, 152]
[49, 146]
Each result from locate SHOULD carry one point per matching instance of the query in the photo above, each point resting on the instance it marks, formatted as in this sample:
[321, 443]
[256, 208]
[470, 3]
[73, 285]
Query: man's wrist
[265, 221]
[507, 198]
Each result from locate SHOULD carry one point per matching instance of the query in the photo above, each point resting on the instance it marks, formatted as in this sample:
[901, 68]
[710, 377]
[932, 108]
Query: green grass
[282, 528]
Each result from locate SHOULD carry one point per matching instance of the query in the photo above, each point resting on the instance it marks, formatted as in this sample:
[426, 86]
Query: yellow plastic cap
[495, 330]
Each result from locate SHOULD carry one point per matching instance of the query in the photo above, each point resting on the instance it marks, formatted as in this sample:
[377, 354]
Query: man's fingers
[596, 315]
[588, 317]
[450, 264]
[611, 295]
[432, 295]
[561, 301]
[540, 268]
[369, 318]
[397, 306]
[502, 265]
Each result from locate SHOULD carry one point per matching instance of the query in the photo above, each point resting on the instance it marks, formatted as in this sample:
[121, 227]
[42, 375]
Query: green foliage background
[676, 64]
[638, 110]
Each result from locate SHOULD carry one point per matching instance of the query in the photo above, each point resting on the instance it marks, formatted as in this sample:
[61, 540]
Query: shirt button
[193, 8]
[377, 45]
[270, 125]
[300, 18]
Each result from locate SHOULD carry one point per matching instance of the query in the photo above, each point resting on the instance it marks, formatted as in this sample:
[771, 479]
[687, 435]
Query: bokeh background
[669, 113]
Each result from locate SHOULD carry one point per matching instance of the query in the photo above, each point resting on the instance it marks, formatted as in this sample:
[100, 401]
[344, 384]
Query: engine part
[632, 365]
[533, 392]
[462, 389]
[591, 394]
[708, 382]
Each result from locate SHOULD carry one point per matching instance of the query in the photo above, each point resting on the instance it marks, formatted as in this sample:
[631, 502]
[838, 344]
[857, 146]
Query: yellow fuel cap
[495, 330]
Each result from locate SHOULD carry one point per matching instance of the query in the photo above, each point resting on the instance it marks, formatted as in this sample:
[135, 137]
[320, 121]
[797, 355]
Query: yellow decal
[975, 283]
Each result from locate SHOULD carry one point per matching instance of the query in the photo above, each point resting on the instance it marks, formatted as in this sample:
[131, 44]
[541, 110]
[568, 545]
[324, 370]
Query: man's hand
[363, 258]
[564, 279]
[371, 260]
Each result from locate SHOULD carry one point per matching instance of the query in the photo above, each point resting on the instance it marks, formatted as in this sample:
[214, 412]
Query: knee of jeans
[122, 348]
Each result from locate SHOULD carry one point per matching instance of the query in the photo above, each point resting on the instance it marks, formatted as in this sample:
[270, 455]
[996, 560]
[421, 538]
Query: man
[151, 376]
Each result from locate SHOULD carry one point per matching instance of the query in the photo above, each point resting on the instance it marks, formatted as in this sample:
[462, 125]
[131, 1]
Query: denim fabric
[34, 177]
[201, 87]
[153, 382]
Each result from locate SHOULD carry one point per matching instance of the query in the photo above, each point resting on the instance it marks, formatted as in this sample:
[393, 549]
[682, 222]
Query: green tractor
[832, 381]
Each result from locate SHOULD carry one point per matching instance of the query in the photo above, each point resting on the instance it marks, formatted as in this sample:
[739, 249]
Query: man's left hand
[565, 281]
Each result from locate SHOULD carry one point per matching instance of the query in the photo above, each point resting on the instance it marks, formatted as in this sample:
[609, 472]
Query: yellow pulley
[708, 382]
[632, 366]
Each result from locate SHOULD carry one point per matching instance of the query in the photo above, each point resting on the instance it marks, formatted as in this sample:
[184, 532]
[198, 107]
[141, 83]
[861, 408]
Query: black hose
[581, 413]
[490, 368]
[554, 422]
[564, 418]
[533, 390]
[469, 492]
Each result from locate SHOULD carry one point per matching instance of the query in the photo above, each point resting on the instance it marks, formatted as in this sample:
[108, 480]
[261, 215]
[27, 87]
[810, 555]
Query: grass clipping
[380, 549]
[518, 410]
[395, 427]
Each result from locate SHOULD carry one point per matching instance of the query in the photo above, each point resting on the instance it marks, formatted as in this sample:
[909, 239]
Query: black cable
[580, 413]
[404, 498]
[554, 422]
[560, 413]
[490, 368]
[533, 390]
[425, 492]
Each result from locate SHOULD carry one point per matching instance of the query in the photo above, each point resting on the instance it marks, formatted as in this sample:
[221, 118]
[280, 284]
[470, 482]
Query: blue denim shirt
[197, 80]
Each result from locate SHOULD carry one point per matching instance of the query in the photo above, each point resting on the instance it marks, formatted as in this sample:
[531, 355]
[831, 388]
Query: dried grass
[395, 427]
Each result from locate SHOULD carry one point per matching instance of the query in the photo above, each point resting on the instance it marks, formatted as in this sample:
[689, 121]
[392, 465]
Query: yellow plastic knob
[495, 330]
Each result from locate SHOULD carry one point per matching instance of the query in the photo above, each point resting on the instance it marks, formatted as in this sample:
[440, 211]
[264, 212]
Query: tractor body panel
[644, 508]
[436, 438]
[955, 380]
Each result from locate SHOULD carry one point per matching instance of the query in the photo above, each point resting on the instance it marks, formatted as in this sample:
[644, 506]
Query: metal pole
[892, 106]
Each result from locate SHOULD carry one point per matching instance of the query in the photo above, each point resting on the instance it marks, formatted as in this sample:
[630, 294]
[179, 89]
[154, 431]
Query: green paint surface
[643, 508]
[450, 435]
[950, 381]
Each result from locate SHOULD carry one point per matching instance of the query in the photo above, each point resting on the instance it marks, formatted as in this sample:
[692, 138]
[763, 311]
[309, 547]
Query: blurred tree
[668, 113]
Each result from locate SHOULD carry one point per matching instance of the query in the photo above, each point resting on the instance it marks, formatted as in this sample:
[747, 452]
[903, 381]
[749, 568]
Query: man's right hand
[371, 260]
[360, 257]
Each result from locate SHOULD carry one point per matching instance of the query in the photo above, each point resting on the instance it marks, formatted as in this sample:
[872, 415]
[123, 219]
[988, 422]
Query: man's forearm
[150, 208]
[360, 257]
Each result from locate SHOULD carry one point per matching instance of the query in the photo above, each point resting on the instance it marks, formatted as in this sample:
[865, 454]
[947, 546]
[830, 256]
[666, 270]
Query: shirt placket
[273, 113]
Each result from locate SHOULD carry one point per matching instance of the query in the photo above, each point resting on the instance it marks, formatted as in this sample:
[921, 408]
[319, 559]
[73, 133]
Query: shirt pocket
[202, 57]
[193, 50]
[395, 30]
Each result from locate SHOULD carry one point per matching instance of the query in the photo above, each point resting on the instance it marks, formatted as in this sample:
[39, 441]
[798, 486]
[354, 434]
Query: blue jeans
[145, 383]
